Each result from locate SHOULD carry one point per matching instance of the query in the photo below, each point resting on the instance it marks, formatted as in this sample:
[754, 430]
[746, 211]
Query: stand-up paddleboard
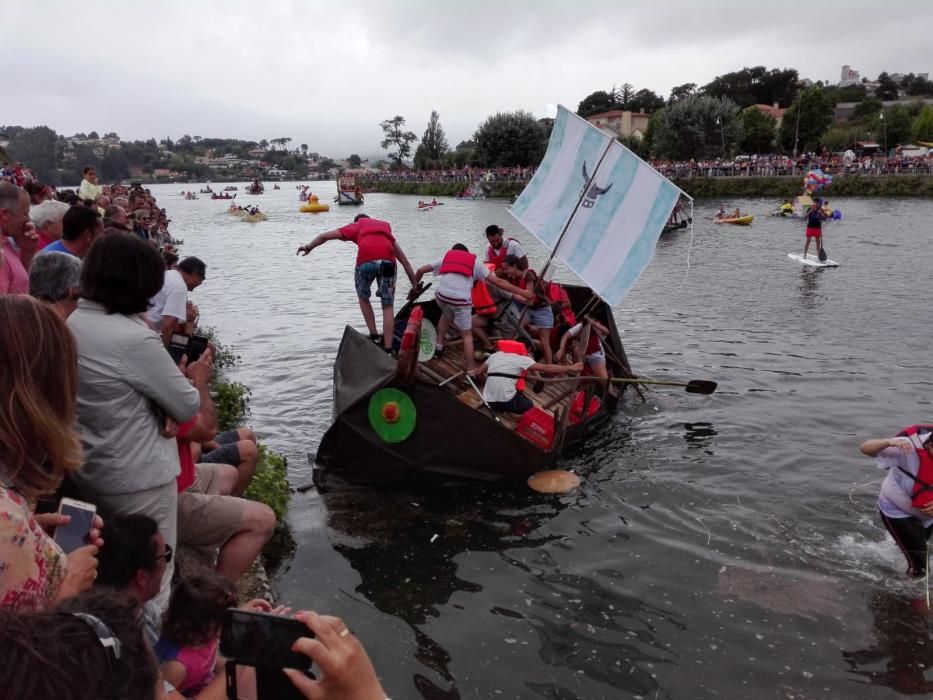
[812, 260]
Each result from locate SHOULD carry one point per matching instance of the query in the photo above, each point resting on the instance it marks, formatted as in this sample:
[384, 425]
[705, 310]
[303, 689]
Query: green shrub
[270, 482]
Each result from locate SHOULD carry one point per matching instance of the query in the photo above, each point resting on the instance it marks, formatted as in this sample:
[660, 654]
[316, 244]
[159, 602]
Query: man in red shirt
[375, 260]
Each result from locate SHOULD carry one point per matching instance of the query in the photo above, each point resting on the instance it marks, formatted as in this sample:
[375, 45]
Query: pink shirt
[13, 276]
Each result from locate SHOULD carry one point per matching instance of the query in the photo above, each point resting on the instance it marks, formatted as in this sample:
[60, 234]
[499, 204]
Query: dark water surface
[724, 546]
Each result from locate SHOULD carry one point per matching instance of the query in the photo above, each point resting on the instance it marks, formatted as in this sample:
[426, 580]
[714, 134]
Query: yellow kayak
[253, 218]
[738, 220]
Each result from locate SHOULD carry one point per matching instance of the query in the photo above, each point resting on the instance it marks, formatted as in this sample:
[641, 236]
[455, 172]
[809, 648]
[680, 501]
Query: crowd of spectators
[466, 175]
[774, 165]
[786, 166]
[96, 409]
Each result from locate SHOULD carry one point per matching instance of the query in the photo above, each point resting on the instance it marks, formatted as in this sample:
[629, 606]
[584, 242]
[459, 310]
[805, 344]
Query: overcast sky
[326, 74]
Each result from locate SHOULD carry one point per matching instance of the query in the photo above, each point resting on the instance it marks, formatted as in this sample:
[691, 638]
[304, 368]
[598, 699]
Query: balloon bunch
[816, 180]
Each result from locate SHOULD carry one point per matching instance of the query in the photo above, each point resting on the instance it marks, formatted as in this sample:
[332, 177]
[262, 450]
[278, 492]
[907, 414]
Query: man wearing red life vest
[502, 391]
[539, 316]
[457, 271]
[594, 354]
[499, 248]
[375, 260]
[906, 498]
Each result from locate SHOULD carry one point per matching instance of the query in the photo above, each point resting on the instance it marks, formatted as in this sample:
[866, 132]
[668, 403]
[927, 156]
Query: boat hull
[452, 442]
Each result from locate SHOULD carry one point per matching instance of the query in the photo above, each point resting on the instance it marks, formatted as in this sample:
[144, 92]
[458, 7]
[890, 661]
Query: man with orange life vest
[539, 315]
[499, 248]
[594, 354]
[906, 498]
[503, 392]
[375, 260]
[457, 271]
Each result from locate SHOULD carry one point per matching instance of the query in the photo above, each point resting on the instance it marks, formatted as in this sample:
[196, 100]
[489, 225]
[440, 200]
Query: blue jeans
[368, 272]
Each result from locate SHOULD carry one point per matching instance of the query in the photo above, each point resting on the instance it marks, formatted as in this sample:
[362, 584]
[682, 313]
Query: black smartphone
[260, 639]
[75, 534]
[191, 345]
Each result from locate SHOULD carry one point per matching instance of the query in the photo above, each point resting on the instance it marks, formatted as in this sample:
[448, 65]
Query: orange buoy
[554, 481]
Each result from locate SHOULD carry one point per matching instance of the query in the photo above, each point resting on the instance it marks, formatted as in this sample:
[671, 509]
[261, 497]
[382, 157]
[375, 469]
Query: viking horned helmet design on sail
[590, 195]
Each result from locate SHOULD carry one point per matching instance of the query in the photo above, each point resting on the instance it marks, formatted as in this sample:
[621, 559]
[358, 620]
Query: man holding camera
[375, 261]
[170, 311]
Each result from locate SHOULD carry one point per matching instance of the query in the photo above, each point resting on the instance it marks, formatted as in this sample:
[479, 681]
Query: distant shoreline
[778, 187]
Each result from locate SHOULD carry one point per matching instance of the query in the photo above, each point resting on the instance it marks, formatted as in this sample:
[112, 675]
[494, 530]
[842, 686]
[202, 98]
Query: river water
[721, 546]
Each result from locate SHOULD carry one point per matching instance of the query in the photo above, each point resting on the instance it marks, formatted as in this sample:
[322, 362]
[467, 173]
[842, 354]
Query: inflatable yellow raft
[253, 218]
[313, 206]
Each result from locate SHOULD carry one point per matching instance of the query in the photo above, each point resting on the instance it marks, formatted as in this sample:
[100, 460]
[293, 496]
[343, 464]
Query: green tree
[923, 125]
[93, 136]
[37, 147]
[596, 102]
[433, 145]
[509, 139]
[897, 126]
[756, 85]
[264, 144]
[396, 137]
[624, 95]
[867, 110]
[682, 92]
[887, 88]
[114, 166]
[758, 131]
[839, 138]
[696, 127]
[806, 120]
[304, 149]
[647, 101]
[355, 160]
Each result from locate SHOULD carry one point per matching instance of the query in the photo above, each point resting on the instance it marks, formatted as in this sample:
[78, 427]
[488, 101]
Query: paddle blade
[823, 255]
[700, 386]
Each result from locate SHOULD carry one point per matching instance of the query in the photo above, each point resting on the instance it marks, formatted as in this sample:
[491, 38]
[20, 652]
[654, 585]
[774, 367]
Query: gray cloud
[326, 74]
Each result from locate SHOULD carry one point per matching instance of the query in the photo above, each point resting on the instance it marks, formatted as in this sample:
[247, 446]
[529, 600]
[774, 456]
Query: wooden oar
[694, 386]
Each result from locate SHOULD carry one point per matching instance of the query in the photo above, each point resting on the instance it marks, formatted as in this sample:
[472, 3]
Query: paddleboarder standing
[905, 502]
[814, 228]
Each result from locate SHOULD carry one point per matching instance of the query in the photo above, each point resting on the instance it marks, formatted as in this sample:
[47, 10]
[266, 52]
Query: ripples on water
[722, 546]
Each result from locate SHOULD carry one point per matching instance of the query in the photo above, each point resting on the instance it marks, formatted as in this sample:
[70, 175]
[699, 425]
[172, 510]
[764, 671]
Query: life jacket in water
[458, 262]
[922, 494]
[498, 258]
[515, 347]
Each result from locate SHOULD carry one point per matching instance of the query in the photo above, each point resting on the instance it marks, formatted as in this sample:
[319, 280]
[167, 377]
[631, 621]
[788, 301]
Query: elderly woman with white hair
[55, 279]
[47, 218]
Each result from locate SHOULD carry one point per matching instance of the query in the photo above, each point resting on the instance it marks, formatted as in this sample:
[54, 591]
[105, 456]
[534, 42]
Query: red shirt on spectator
[187, 474]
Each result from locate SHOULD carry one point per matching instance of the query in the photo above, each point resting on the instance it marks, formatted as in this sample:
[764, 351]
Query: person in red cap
[503, 392]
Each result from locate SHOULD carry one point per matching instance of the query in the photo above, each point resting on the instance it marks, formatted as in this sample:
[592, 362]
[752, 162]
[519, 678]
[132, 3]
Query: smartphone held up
[78, 529]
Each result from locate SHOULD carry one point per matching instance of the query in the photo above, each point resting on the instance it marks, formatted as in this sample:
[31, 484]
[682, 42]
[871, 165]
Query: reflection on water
[810, 297]
[901, 652]
[715, 548]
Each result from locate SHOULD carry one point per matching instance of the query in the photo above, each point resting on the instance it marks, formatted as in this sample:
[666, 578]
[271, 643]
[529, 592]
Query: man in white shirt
[169, 310]
[505, 371]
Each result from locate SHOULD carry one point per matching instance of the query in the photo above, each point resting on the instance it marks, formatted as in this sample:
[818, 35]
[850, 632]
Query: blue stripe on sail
[621, 176]
[556, 142]
[643, 249]
[591, 148]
